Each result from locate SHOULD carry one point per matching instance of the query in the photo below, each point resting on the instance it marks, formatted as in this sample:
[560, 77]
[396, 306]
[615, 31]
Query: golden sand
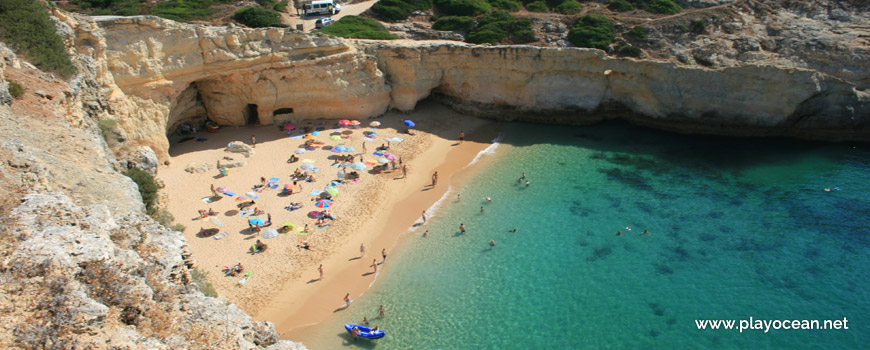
[284, 286]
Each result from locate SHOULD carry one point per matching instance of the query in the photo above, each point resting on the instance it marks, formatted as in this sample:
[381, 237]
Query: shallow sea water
[739, 228]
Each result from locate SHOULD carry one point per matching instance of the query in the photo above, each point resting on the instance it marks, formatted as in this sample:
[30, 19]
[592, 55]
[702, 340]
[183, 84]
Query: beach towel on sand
[274, 179]
[221, 235]
[273, 186]
[228, 193]
[245, 279]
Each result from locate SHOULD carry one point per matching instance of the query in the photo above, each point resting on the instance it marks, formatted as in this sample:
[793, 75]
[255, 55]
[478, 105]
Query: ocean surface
[739, 228]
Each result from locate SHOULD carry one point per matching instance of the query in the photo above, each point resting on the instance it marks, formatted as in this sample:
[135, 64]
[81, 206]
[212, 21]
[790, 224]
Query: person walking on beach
[253, 142]
[381, 311]
[347, 300]
[424, 216]
[362, 250]
[434, 179]
[461, 136]
[462, 228]
[459, 197]
[268, 219]
[384, 255]
[364, 147]
[374, 265]
[213, 191]
[404, 171]
[321, 272]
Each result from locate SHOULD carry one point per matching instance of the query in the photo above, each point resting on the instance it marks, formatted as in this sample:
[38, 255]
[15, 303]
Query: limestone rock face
[85, 277]
[235, 76]
[525, 80]
[240, 147]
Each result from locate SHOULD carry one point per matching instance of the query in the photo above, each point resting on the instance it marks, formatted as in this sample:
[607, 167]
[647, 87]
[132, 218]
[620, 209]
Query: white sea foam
[488, 151]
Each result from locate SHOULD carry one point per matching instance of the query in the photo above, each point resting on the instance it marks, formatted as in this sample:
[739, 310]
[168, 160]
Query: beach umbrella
[269, 233]
[375, 124]
[323, 203]
[370, 133]
[288, 224]
[307, 166]
[252, 195]
[344, 122]
[409, 123]
[368, 139]
[347, 132]
[256, 221]
[288, 127]
[310, 137]
[383, 160]
[336, 150]
[314, 214]
[241, 198]
[315, 133]
[221, 189]
[335, 137]
[390, 156]
[340, 148]
[340, 174]
[358, 166]
[332, 191]
[354, 122]
[306, 160]
[299, 151]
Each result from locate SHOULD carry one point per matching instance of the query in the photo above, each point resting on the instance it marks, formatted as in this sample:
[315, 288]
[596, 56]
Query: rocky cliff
[161, 73]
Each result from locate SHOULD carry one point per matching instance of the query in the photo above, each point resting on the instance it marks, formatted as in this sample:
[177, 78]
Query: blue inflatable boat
[364, 332]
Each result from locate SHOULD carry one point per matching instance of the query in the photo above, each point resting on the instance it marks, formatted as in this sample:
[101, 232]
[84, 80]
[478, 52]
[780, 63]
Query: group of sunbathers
[232, 271]
[204, 214]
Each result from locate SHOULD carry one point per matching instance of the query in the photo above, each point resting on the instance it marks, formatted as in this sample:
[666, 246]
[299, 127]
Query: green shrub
[15, 89]
[538, 6]
[397, 10]
[26, 27]
[107, 126]
[281, 6]
[111, 7]
[638, 32]
[457, 23]
[698, 26]
[147, 187]
[509, 5]
[163, 216]
[256, 17]
[199, 278]
[663, 7]
[358, 27]
[594, 31]
[178, 227]
[463, 7]
[498, 26]
[620, 6]
[569, 7]
[184, 10]
[632, 51]
[266, 3]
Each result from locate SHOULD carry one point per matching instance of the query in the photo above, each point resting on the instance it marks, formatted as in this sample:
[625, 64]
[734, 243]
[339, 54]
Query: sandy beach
[284, 286]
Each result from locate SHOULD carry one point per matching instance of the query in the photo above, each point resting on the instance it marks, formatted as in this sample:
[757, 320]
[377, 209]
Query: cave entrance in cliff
[252, 117]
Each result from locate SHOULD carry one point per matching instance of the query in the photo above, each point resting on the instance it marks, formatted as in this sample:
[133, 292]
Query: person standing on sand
[375, 265]
[404, 171]
[384, 255]
[213, 191]
[253, 142]
[321, 272]
[424, 216]
[269, 219]
[381, 311]
[347, 300]
[459, 197]
[362, 250]
[462, 228]
[364, 147]
[461, 136]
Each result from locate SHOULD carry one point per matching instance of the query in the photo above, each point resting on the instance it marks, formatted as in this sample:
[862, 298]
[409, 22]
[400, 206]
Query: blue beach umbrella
[409, 123]
[315, 133]
[256, 221]
[358, 166]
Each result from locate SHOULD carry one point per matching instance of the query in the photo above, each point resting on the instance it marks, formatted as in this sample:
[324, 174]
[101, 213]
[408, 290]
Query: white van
[321, 7]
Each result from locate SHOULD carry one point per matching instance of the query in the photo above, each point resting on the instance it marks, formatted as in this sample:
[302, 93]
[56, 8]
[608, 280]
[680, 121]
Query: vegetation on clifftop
[593, 30]
[256, 17]
[26, 27]
[359, 28]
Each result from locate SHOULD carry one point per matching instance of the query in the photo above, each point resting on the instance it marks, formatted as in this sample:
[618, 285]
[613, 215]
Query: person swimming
[514, 230]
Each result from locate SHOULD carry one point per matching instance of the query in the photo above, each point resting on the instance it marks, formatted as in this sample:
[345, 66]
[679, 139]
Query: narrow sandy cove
[284, 286]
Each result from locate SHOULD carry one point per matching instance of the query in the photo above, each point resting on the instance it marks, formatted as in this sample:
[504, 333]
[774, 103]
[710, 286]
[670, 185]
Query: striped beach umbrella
[323, 203]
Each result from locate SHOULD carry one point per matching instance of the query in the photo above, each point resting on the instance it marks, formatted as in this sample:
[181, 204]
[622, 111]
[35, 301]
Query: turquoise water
[739, 228]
